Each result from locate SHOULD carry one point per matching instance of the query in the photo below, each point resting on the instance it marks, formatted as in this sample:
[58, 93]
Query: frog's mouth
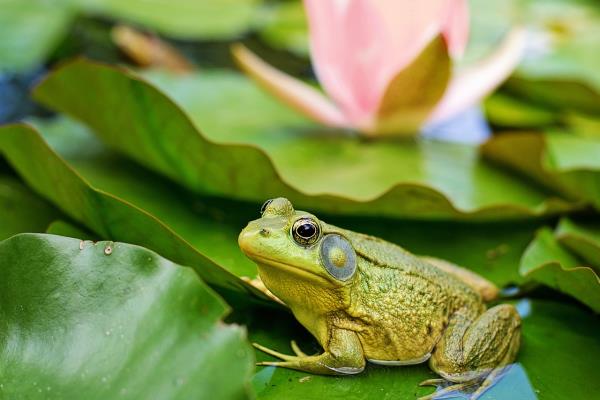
[292, 269]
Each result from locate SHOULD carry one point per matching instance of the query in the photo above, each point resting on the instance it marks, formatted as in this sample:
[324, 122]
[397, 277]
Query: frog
[367, 300]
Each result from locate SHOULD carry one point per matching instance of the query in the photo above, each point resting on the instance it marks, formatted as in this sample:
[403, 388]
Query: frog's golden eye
[263, 208]
[305, 231]
[338, 256]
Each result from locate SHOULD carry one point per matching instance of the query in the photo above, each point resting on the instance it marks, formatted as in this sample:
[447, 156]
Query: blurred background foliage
[175, 150]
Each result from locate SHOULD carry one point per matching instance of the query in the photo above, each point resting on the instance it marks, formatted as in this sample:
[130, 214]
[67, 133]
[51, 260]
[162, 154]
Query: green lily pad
[566, 162]
[509, 112]
[558, 95]
[111, 320]
[565, 331]
[546, 261]
[281, 154]
[581, 238]
[21, 210]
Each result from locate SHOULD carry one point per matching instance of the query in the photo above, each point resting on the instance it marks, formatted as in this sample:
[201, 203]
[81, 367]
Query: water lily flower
[387, 65]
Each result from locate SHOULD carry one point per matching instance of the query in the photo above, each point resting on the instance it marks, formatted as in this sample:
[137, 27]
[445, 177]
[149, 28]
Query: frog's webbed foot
[345, 356]
[258, 284]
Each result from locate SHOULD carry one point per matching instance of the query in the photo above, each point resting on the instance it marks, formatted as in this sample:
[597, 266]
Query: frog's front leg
[474, 349]
[258, 284]
[343, 356]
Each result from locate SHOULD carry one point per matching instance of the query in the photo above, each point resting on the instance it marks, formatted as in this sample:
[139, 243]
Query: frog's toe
[432, 382]
[273, 353]
[438, 394]
[297, 349]
[269, 363]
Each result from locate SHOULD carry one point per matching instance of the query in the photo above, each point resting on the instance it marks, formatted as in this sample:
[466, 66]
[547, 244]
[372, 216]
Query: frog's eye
[338, 256]
[263, 208]
[305, 231]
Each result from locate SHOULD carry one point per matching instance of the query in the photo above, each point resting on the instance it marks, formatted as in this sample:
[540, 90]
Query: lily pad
[566, 162]
[546, 261]
[21, 210]
[581, 238]
[288, 156]
[565, 331]
[112, 321]
[507, 111]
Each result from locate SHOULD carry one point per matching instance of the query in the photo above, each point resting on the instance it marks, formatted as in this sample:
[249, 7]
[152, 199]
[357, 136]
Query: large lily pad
[565, 331]
[110, 320]
[288, 156]
[546, 261]
[21, 210]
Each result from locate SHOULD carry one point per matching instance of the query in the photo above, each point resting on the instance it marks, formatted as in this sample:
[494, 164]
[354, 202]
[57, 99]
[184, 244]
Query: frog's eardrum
[338, 256]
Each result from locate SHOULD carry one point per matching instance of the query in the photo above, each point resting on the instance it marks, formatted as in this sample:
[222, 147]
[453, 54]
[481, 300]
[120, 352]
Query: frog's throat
[298, 271]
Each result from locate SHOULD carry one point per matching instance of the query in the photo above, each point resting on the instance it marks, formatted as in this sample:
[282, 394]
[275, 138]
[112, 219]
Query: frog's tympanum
[365, 299]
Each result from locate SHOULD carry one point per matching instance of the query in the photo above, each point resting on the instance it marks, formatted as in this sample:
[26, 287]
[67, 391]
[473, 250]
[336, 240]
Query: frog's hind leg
[492, 376]
[475, 350]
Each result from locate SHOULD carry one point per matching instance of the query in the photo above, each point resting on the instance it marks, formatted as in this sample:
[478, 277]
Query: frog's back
[403, 301]
[389, 256]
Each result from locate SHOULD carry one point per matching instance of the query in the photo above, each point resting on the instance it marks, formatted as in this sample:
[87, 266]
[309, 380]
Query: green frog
[365, 299]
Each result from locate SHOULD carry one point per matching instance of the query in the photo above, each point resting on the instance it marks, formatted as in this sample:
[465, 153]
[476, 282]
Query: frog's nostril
[264, 232]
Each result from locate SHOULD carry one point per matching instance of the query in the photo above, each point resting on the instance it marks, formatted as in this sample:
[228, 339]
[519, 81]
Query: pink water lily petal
[472, 84]
[349, 43]
[456, 27]
[358, 46]
[297, 94]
